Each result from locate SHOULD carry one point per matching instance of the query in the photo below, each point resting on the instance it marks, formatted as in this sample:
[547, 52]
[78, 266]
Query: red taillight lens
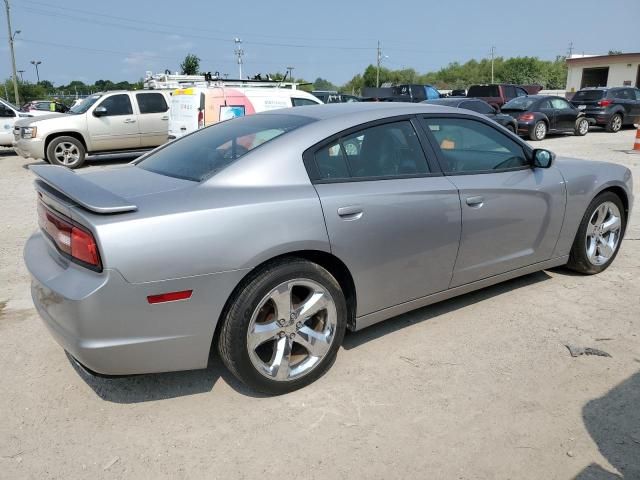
[200, 119]
[72, 240]
[604, 103]
[526, 117]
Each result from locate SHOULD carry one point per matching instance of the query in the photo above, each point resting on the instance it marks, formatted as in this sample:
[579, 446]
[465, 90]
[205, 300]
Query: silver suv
[118, 121]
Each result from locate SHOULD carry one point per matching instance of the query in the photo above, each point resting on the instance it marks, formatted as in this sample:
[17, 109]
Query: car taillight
[71, 240]
[605, 103]
[200, 119]
[526, 117]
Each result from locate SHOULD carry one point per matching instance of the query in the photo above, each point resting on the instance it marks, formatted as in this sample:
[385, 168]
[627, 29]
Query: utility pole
[13, 54]
[378, 69]
[239, 53]
[570, 51]
[493, 52]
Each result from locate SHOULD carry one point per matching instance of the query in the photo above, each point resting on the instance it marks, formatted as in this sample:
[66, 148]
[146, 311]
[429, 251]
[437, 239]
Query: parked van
[196, 107]
[8, 116]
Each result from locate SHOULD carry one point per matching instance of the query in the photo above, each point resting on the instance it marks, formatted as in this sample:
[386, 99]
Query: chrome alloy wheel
[540, 130]
[616, 123]
[603, 233]
[583, 127]
[291, 329]
[67, 153]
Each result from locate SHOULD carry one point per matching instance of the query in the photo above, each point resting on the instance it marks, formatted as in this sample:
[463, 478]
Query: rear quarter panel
[585, 180]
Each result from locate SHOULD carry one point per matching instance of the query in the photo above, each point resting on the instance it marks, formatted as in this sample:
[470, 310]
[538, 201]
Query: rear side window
[384, 151]
[151, 103]
[205, 152]
[117, 105]
[588, 95]
[469, 146]
[301, 102]
[478, 106]
[509, 91]
[483, 91]
[559, 103]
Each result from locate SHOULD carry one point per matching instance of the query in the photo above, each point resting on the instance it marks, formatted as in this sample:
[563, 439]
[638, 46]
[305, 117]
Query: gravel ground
[478, 387]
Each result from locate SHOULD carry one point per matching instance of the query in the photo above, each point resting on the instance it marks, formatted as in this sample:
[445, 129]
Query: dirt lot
[479, 387]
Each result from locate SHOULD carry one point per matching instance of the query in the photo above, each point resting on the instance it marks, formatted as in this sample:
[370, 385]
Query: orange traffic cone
[636, 144]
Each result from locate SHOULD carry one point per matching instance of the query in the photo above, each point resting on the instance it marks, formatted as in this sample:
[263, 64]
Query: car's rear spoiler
[83, 192]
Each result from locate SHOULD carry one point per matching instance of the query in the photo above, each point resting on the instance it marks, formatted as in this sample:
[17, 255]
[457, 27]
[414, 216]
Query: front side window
[6, 111]
[151, 103]
[387, 151]
[521, 92]
[509, 91]
[205, 152]
[472, 146]
[117, 105]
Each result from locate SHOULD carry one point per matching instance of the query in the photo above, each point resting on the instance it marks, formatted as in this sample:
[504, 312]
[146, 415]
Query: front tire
[582, 127]
[283, 329]
[614, 124]
[539, 131]
[67, 152]
[599, 235]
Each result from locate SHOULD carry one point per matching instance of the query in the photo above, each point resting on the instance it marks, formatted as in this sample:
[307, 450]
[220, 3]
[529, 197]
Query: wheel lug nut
[281, 334]
[299, 324]
[292, 335]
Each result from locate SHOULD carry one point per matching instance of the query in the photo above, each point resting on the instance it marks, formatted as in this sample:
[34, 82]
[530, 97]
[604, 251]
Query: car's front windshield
[85, 104]
[519, 103]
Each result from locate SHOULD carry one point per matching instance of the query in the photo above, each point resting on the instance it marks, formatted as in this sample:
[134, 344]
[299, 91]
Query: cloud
[177, 43]
[139, 58]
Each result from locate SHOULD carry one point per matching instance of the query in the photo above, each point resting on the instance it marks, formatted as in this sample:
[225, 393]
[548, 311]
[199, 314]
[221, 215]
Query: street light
[16, 33]
[35, 63]
[21, 78]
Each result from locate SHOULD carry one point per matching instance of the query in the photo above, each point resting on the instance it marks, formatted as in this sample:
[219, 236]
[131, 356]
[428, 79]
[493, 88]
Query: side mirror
[100, 112]
[543, 158]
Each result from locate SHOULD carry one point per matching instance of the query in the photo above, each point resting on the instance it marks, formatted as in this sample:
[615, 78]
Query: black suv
[611, 108]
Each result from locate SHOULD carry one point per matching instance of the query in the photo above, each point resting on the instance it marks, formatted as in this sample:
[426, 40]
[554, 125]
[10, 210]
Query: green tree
[190, 65]
[322, 84]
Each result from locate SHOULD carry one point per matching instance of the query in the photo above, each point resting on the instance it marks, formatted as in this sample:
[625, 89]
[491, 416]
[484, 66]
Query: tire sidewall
[233, 335]
[578, 258]
[56, 141]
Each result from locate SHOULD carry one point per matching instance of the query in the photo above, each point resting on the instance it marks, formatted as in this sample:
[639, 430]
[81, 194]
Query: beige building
[621, 70]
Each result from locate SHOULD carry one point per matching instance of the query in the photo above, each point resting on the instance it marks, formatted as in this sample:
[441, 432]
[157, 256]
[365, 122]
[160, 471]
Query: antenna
[239, 52]
[570, 49]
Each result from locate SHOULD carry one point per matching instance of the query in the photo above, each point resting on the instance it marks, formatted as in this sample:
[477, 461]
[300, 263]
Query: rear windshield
[519, 103]
[202, 154]
[483, 91]
[588, 95]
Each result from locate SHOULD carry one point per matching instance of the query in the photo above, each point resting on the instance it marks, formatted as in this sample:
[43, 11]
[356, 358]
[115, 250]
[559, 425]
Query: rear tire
[614, 124]
[539, 131]
[269, 341]
[67, 152]
[582, 127]
[597, 243]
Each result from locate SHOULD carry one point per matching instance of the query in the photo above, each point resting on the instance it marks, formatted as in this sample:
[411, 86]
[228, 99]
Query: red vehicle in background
[496, 94]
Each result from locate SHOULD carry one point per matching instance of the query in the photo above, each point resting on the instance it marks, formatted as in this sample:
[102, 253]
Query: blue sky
[120, 40]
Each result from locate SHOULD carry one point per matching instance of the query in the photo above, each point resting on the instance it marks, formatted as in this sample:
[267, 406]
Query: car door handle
[164, 118]
[352, 212]
[475, 202]
[129, 120]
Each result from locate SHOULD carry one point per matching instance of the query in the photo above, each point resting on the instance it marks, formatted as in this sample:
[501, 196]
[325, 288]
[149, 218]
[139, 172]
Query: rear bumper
[30, 148]
[107, 324]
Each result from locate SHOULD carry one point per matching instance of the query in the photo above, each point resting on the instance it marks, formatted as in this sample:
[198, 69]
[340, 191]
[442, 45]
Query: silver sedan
[268, 236]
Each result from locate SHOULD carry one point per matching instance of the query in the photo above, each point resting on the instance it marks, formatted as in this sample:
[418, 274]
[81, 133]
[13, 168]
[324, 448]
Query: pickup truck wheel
[615, 123]
[66, 151]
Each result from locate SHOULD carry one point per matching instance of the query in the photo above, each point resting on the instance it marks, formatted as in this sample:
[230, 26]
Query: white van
[197, 107]
[8, 116]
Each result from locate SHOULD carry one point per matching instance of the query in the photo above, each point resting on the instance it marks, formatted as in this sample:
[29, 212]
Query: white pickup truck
[110, 122]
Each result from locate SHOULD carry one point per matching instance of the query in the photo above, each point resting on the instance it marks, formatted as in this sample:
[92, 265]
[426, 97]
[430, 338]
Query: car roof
[372, 109]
